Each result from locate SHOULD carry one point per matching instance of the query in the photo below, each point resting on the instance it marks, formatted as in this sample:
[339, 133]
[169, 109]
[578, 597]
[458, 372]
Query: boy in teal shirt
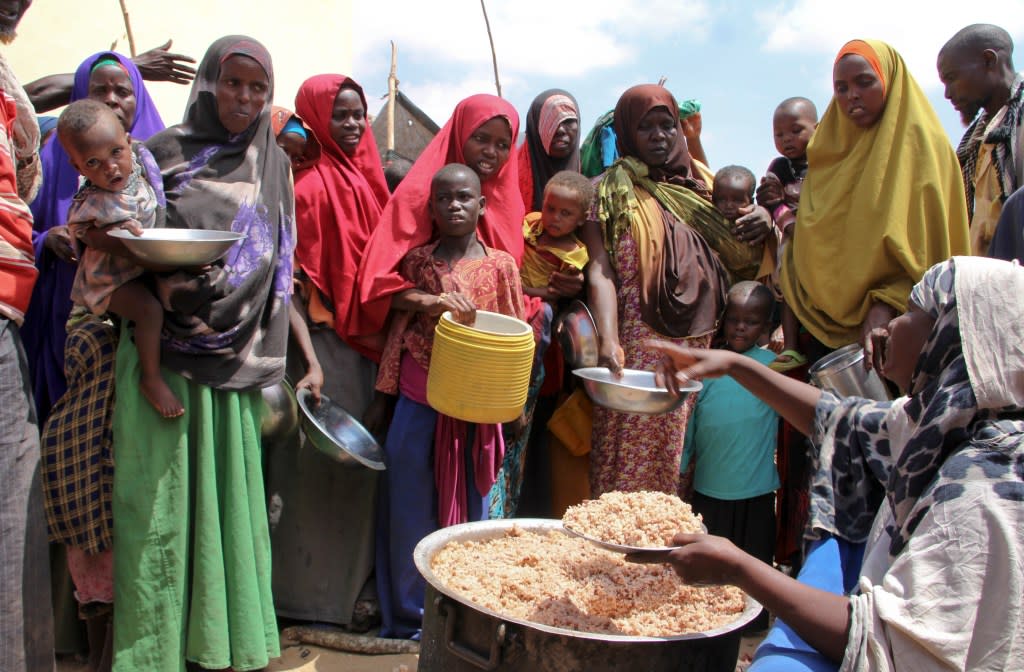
[731, 438]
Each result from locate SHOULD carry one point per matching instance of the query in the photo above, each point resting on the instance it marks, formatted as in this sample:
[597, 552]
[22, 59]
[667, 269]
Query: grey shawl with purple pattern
[227, 327]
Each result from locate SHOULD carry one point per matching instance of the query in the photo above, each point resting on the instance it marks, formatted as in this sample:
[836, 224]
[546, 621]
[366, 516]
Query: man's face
[11, 12]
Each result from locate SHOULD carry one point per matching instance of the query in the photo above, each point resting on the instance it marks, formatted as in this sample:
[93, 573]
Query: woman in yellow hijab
[882, 202]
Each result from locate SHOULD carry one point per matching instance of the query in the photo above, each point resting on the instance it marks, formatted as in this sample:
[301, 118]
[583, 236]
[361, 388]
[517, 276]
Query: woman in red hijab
[480, 134]
[337, 203]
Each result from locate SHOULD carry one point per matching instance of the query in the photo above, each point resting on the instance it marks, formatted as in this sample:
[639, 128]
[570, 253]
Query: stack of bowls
[480, 373]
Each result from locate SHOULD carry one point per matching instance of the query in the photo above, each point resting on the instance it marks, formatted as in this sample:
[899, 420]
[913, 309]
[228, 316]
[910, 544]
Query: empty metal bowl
[178, 247]
[634, 392]
[335, 433]
[280, 413]
[577, 334]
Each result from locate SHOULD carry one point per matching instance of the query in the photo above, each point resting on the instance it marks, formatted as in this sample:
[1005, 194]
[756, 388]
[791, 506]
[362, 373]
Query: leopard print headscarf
[923, 447]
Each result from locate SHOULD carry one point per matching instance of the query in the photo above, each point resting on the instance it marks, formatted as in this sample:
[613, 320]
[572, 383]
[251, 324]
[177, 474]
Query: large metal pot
[463, 637]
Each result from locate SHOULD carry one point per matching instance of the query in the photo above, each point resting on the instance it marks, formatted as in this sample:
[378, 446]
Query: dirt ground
[308, 658]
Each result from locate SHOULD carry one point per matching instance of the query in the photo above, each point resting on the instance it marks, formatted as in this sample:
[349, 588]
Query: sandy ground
[308, 658]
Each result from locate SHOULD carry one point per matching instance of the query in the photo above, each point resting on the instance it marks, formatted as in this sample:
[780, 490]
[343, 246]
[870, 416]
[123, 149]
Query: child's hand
[565, 284]
[770, 192]
[132, 226]
[58, 241]
[313, 381]
[462, 308]
[777, 342]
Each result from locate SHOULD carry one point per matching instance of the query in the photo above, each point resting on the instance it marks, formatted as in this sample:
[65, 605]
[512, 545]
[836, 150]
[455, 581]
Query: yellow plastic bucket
[480, 373]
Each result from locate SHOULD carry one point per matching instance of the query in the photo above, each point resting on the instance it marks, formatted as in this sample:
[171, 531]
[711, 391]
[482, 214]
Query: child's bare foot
[161, 397]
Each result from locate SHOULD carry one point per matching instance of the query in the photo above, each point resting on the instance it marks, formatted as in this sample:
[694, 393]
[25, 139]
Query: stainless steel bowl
[842, 372]
[634, 392]
[335, 433]
[280, 413]
[178, 247]
[577, 334]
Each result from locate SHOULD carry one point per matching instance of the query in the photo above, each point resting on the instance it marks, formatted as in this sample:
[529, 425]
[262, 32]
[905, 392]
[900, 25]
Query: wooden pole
[494, 55]
[128, 27]
[392, 91]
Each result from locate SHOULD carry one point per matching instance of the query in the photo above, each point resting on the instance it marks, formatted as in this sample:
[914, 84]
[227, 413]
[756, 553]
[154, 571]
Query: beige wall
[307, 38]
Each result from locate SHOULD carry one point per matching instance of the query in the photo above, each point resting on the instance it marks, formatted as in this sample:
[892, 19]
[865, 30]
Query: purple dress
[43, 331]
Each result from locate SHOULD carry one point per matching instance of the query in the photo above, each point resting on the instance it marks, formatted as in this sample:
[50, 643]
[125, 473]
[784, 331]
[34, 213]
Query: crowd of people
[869, 229]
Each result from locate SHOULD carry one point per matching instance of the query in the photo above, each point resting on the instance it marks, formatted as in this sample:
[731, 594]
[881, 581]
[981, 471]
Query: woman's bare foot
[161, 397]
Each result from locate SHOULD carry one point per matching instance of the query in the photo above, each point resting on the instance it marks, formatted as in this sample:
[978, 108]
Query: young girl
[116, 194]
[551, 242]
[440, 470]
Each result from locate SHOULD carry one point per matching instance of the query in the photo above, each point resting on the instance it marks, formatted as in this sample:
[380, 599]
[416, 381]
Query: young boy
[732, 190]
[551, 242]
[793, 125]
[731, 438]
[116, 193]
[455, 273]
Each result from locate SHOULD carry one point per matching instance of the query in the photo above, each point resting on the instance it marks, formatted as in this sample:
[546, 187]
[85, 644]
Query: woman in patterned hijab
[932, 482]
[192, 567]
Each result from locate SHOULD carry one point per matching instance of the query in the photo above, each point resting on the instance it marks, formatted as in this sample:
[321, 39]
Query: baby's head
[733, 189]
[455, 200]
[96, 143]
[294, 140]
[793, 125]
[567, 198]
[748, 312]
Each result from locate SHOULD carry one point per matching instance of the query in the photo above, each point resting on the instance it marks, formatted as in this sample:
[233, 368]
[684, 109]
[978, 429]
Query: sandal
[796, 360]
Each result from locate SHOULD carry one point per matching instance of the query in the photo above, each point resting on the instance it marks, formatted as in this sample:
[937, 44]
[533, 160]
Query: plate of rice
[632, 522]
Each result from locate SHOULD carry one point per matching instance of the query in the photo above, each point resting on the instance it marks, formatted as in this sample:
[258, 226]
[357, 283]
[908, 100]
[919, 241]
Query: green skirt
[192, 559]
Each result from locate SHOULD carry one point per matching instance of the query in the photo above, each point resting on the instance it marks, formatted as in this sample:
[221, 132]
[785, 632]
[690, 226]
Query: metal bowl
[280, 413]
[634, 392]
[178, 247]
[335, 433]
[577, 334]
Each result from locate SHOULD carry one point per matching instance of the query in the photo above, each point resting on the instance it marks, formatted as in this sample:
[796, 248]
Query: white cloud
[917, 29]
[543, 37]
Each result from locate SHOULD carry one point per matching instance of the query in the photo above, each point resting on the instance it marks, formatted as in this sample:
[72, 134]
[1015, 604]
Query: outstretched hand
[680, 364]
[702, 560]
[770, 192]
[160, 65]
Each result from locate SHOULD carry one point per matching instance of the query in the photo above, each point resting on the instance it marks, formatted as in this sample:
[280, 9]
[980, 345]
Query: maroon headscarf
[631, 108]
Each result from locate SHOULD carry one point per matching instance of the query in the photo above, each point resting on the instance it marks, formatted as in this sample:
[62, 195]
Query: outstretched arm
[156, 65]
[792, 399]
[820, 617]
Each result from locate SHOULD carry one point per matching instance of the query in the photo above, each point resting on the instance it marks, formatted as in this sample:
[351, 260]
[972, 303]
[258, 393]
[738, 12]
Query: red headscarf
[406, 221]
[337, 202]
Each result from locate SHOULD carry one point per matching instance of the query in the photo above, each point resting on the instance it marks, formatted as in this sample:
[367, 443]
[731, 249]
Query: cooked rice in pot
[645, 519]
[553, 579]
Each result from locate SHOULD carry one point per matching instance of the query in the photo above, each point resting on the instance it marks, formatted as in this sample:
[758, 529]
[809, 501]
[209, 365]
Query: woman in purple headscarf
[114, 80]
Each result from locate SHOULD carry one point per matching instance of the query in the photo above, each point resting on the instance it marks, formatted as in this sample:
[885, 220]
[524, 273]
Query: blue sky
[738, 57]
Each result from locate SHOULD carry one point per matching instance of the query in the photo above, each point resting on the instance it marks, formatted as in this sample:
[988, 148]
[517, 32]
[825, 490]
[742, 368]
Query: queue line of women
[193, 541]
